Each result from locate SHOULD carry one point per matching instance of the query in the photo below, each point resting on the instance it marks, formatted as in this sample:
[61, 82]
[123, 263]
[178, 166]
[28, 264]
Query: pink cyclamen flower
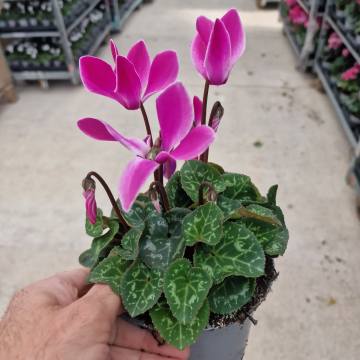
[298, 15]
[175, 115]
[352, 73]
[90, 204]
[132, 75]
[345, 52]
[334, 41]
[217, 46]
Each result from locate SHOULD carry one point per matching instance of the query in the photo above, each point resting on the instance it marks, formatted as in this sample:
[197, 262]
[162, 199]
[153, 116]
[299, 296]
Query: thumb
[103, 300]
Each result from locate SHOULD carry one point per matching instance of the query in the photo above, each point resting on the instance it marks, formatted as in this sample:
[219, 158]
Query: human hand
[60, 318]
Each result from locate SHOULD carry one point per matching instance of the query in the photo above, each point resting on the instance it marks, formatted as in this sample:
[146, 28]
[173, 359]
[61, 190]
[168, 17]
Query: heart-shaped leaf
[102, 241]
[185, 289]
[239, 187]
[278, 245]
[177, 196]
[141, 287]
[263, 231]
[260, 213]
[157, 247]
[203, 225]
[217, 167]
[86, 258]
[270, 199]
[96, 229]
[237, 253]
[175, 333]
[130, 245]
[174, 217]
[135, 216]
[151, 211]
[110, 271]
[227, 206]
[194, 172]
[231, 294]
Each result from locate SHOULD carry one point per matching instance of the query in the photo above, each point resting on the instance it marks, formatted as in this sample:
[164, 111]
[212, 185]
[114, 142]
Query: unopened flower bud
[88, 183]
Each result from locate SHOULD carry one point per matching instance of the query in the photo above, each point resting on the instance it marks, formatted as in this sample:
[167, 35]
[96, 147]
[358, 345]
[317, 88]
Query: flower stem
[111, 198]
[146, 120]
[211, 194]
[213, 113]
[204, 106]
[160, 188]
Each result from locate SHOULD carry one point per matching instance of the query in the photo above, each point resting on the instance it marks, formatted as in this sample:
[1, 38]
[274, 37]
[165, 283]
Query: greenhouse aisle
[278, 128]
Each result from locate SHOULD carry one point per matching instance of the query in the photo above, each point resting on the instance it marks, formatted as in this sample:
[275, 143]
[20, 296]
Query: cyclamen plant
[198, 245]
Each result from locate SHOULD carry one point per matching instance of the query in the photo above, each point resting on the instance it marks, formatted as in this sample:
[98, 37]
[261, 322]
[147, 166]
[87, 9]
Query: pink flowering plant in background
[173, 250]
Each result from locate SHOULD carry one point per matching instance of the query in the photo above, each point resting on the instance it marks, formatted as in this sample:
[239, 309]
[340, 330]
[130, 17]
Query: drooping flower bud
[154, 198]
[89, 186]
[219, 113]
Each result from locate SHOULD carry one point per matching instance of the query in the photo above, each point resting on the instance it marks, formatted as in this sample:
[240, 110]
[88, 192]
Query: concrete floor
[43, 158]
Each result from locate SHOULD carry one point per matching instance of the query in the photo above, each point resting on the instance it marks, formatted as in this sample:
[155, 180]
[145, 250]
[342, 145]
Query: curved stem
[214, 111]
[204, 106]
[111, 198]
[146, 120]
[160, 188]
[211, 194]
[167, 166]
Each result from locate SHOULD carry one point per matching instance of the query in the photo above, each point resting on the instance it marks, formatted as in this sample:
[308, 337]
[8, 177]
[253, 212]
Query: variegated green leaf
[99, 243]
[135, 216]
[227, 206]
[141, 288]
[217, 167]
[175, 333]
[203, 225]
[231, 294]
[185, 289]
[239, 187]
[110, 271]
[96, 229]
[174, 217]
[260, 213]
[263, 231]
[178, 198]
[194, 172]
[143, 198]
[157, 248]
[130, 245]
[278, 245]
[86, 258]
[269, 201]
[150, 210]
[237, 253]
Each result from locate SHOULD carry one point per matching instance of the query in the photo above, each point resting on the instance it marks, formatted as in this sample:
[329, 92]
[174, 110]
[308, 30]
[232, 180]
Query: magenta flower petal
[114, 50]
[140, 57]
[100, 130]
[233, 25]
[204, 27]
[128, 84]
[215, 124]
[198, 110]
[197, 53]
[132, 179]
[90, 204]
[195, 143]
[175, 113]
[98, 77]
[163, 72]
[147, 141]
[172, 167]
[218, 55]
